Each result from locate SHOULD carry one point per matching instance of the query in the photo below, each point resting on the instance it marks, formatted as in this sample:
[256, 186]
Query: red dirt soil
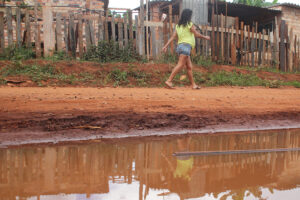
[41, 114]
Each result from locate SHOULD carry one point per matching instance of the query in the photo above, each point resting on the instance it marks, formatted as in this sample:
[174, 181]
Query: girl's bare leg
[179, 66]
[189, 69]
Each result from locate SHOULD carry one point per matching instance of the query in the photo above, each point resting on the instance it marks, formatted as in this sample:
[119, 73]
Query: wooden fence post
[28, 29]
[130, 25]
[2, 41]
[113, 28]
[252, 48]
[18, 27]
[80, 35]
[37, 31]
[9, 26]
[66, 38]
[87, 34]
[106, 26]
[142, 33]
[222, 38]
[48, 31]
[137, 34]
[282, 52]
[100, 28]
[58, 32]
[72, 35]
[213, 31]
[92, 32]
[120, 33]
[126, 31]
[290, 50]
[171, 28]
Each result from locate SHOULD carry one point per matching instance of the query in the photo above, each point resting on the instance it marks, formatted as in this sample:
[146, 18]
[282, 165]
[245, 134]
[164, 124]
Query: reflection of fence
[87, 168]
[233, 42]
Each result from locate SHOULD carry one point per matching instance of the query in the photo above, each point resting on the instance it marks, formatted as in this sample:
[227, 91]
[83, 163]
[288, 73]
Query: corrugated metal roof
[292, 5]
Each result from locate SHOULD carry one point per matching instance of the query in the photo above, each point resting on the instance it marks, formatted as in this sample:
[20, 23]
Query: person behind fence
[185, 33]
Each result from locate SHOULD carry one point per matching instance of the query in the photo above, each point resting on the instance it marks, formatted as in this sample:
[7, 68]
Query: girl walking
[185, 33]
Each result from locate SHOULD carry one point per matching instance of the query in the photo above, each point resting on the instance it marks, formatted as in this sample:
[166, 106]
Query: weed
[119, 77]
[168, 58]
[202, 61]
[296, 84]
[17, 53]
[111, 52]
[59, 55]
[234, 79]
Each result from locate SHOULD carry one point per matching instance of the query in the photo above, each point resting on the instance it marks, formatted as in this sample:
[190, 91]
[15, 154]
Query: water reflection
[146, 169]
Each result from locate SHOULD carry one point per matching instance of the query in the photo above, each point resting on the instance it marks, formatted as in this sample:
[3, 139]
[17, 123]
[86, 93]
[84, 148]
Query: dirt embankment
[58, 114]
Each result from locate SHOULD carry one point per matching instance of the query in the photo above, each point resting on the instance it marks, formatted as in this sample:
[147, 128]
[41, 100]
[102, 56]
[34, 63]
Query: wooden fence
[231, 43]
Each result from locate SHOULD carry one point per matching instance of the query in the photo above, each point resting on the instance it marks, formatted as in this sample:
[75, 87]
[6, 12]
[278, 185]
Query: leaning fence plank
[2, 41]
[295, 53]
[276, 43]
[37, 31]
[58, 32]
[248, 46]
[80, 35]
[242, 44]
[233, 49]
[136, 34]
[142, 33]
[263, 48]
[48, 32]
[18, 27]
[9, 26]
[27, 29]
[259, 49]
[213, 31]
[130, 25]
[282, 46]
[152, 31]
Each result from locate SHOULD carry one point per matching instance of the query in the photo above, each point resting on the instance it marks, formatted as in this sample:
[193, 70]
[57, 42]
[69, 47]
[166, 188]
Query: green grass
[296, 84]
[17, 53]
[234, 79]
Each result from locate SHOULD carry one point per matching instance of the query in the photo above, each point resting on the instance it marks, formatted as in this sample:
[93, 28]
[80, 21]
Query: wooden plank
[256, 44]
[259, 50]
[165, 32]
[290, 49]
[147, 31]
[113, 28]
[88, 39]
[18, 27]
[154, 42]
[2, 41]
[101, 32]
[80, 35]
[276, 43]
[171, 27]
[137, 32]
[125, 32]
[72, 35]
[66, 38]
[242, 44]
[263, 49]
[58, 32]
[213, 31]
[142, 33]
[295, 54]
[248, 46]
[160, 39]
[282, 46]
[252, 48]
[130, 25]
[92, 32]
[237, 32]
[233, 49]
[106, 26]
[37, 31]
[48, 32]
[9, 26]
[206, 43]
[120, 35]
[269, 49]
[222, 38]
[27, 29]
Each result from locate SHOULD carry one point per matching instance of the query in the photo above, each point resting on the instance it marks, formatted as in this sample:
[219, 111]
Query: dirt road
[29, 115]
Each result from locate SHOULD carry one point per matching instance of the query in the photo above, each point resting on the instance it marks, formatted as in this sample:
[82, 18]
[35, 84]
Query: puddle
[145, 169]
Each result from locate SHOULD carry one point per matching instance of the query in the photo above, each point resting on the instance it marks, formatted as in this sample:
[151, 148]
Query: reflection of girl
[186, 33]
[183, 170]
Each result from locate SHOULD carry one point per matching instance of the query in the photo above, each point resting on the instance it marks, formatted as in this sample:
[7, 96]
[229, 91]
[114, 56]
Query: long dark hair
[186, 17]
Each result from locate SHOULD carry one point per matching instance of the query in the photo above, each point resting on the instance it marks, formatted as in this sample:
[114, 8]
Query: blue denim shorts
[184, 49]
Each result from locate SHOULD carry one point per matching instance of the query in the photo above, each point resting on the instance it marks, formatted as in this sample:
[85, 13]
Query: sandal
[169, 85]
[196, 87]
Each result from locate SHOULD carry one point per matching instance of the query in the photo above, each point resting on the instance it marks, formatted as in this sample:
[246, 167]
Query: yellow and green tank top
[185, 35]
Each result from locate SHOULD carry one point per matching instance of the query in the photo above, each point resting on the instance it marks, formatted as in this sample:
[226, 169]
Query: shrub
[17, 53]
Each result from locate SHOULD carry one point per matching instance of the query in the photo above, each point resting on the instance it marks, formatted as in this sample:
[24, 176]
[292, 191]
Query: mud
[33, 115]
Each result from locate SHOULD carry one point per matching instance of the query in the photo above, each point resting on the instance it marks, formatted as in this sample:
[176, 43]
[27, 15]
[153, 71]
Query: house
[64, 4]
[290, 13]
